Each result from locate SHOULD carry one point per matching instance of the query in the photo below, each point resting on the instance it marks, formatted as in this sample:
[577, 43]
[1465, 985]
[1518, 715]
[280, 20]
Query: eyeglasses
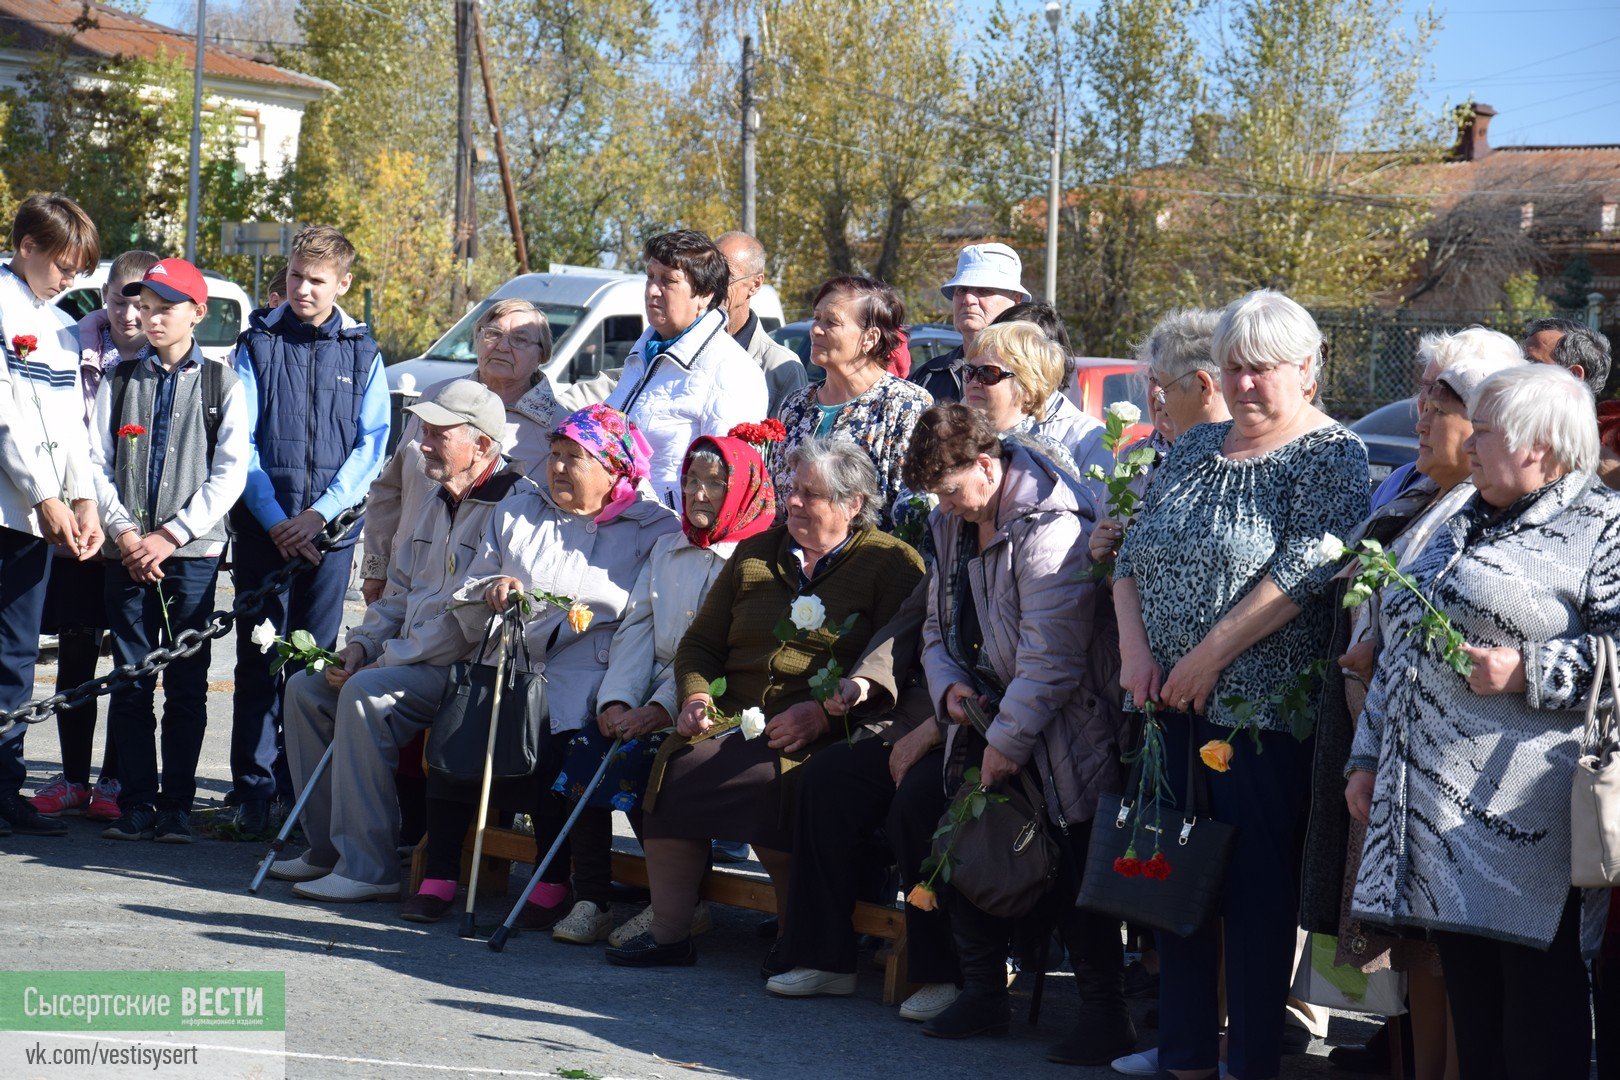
[804, 494]
[492, 337]
[696, 484]
[1159, 386]
[986, 375]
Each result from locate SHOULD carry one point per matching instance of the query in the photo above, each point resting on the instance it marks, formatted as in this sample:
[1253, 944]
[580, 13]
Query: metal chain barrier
[188, 642]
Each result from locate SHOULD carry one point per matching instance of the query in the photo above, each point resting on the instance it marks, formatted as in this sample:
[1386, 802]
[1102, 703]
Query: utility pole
[463, 238]
[519, 246]
[194, 180]
[1054, 195]
[750, 126]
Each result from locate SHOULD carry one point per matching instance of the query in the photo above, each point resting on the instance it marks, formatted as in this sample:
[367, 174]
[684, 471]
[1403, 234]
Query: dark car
[1391, 438]
[924, 340]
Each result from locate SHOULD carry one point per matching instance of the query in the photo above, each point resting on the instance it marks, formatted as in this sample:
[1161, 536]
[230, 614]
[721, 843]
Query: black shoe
[773, 964]
[173, 827]
[765, 929]
[535, 917]
[136, 823]
[24, 820]
[425, 908]
[1296, 1040]
[253, 819]
[1139, 982]
[975, 1012]
[1103, 1029]
[643, 951]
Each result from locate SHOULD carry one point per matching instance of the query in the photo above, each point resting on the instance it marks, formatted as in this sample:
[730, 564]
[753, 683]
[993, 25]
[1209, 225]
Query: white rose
[808, 613]
[318, 665]
[264, 636]
[753, 723]
[1125, 412]
[1329, 549]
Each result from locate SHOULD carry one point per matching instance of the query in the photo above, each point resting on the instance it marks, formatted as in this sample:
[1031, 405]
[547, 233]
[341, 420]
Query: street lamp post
[1054, 195]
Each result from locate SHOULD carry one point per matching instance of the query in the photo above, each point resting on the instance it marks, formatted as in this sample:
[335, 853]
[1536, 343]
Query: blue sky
[1550, 71]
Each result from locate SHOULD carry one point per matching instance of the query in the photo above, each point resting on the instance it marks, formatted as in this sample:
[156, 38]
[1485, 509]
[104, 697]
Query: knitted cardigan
[1470, 812]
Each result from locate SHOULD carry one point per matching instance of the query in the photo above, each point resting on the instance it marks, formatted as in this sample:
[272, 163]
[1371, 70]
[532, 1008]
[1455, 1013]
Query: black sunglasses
[986, 375]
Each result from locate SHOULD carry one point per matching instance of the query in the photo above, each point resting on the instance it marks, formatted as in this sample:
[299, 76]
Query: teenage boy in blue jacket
[318, 403]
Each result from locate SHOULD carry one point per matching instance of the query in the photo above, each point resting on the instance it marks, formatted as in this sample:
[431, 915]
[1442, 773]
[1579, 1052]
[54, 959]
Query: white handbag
[1594, 799]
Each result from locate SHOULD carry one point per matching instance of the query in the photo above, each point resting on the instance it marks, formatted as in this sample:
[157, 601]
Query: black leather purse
[1196, 846]
[458, 742]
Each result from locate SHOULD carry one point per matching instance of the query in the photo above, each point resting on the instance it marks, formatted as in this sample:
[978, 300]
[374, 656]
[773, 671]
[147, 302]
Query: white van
[228, 308]
[596, 316]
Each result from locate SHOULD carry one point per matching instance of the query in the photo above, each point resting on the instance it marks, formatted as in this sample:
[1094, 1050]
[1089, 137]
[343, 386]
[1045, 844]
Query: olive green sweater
[734, 632]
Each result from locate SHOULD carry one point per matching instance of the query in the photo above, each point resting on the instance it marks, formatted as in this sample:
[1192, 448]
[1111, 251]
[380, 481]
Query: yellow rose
[579, 617]
[922, 898]
[1217, 754]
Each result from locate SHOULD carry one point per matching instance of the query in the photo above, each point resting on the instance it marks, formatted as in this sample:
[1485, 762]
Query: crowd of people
[717, 615]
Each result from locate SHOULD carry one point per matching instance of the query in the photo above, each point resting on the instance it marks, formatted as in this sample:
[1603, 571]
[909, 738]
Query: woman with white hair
[1463, 781]
[1238, 615]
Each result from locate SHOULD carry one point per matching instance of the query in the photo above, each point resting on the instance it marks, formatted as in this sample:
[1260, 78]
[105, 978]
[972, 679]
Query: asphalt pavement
[371, 996]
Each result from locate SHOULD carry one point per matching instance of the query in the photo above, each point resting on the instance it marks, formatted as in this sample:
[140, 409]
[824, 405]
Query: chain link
[185, 644]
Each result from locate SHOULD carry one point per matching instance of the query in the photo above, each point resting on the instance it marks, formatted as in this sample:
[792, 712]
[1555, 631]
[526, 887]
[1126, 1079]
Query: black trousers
[845, 795]
[76, 611]
[1521, 1013]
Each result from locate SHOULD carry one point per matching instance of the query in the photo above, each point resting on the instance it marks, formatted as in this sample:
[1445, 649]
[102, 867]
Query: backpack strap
[213, 399]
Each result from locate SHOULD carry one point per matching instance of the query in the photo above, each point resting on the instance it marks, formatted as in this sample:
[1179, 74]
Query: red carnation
[24, 344]
[1128, 866]
[759, 434]
[131, 431]
[1157, 868]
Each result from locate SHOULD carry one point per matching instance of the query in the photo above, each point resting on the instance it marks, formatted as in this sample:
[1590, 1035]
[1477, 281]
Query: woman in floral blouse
[857, 327]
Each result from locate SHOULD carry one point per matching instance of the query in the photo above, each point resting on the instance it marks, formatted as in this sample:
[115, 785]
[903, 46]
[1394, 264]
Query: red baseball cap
[174, 280]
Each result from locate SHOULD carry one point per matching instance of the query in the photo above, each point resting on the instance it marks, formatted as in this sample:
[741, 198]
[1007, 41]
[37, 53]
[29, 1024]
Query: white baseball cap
[988, 266]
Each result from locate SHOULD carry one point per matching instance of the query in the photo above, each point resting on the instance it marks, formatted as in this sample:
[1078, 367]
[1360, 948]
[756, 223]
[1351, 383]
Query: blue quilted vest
[311, 380]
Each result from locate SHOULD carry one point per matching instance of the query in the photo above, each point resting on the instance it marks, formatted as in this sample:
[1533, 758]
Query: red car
[1100, 381]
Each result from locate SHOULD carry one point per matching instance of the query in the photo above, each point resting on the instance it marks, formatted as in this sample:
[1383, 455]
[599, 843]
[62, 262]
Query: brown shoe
[424, 907]
[535, 917]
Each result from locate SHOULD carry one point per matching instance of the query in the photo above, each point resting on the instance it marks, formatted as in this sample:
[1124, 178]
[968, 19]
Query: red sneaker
[104, 801]
[59, 796]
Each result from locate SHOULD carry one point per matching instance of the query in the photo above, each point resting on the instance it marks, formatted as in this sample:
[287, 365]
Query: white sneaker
[808, 982]
[641, 923]
[929, 1002]
[299, 869]
[336, 889]
[586, 924]
[1147, 1064]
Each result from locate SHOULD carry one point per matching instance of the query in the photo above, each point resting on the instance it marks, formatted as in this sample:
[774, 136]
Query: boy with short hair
[171, 446]
[76, 598]
[47, 491]
[318, 404]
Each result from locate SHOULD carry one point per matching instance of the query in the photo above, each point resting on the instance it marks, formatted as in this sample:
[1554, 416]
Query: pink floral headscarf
[609, 437]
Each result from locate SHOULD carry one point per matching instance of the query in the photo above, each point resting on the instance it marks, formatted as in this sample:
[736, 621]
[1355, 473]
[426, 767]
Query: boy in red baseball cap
[170, 438]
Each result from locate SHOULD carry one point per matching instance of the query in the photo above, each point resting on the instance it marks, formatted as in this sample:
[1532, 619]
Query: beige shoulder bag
[1594, 800]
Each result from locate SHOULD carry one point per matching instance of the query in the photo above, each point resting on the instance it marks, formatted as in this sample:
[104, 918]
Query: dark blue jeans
[1265, 795]
[25, 567]
[135, 617]
[314, 603]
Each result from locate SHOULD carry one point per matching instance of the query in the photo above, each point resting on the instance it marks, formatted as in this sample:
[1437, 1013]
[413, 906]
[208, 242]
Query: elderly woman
[1011, 373]
[1456, 365]
[1013, 624]
[727, 497]
[513, 343]
[858, 324]
[1061, 420]
[829, 558]
[585, 536]
[686, 376]
[1463, 781]
[1239, 614]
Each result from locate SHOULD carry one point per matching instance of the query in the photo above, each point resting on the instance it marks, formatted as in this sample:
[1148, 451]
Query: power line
[1533, 63]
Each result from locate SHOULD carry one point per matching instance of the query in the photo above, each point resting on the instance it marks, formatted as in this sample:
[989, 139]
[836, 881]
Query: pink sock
[438, 888]
[545, 894]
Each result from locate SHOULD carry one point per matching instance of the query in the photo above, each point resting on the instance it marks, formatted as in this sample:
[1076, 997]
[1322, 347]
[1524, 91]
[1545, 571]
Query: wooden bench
[730, 887]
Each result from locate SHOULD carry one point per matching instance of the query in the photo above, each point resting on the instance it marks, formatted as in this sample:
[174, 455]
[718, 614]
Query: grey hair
[707, 456]
[1542, 405]
[1264, 329]
[1589, 349]
[512, 305]
[847, 471]
[1181, 342]
[750, 254]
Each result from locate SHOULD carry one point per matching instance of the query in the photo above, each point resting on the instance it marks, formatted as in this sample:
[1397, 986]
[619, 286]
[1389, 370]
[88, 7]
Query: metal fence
[1372, 355]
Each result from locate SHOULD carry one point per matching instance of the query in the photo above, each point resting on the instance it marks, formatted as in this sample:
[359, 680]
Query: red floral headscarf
[749, 507]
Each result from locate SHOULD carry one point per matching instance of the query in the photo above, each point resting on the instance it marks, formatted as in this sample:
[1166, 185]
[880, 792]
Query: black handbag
[1005, 859]
[1196, 845]
[458, 742]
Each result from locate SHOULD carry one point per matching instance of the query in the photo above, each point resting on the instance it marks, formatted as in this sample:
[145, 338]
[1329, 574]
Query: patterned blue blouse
[1210, 528]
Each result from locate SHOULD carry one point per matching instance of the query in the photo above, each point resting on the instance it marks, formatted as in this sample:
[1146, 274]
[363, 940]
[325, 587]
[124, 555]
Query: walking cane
[497, 940]
[468, 925]
[293, 815]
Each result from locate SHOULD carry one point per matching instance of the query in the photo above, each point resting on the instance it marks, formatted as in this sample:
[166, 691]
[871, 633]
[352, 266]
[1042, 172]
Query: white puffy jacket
[703, 384]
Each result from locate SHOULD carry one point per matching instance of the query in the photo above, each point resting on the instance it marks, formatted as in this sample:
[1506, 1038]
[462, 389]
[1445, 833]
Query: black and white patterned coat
[1470, 811]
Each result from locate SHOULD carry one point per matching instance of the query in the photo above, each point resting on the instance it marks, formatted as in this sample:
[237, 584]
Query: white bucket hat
[988, 266]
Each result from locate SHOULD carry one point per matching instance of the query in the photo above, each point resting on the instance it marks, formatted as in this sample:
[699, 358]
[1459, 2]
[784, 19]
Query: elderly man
[1584, 353]
[784, 372]
[988, 281]
[395, 667]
